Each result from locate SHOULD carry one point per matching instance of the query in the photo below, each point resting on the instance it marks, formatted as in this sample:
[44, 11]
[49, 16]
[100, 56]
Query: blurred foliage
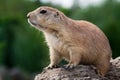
[23, 46]
[20, 45]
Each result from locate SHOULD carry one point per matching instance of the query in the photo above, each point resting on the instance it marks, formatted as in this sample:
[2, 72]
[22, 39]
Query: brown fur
[77, 41]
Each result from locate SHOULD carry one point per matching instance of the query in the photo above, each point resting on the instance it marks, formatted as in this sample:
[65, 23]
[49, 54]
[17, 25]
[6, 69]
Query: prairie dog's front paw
[69, 66]
[51, 66]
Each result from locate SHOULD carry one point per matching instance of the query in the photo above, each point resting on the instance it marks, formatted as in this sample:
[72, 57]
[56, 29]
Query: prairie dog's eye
[43, 11]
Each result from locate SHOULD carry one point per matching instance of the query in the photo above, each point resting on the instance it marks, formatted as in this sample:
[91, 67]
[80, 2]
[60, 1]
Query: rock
[81, 72]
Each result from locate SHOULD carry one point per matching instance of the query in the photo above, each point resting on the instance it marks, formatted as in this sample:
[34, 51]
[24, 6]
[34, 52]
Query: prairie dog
[77, 41]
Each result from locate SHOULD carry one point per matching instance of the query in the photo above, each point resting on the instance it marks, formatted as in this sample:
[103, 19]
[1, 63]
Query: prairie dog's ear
[56, 14]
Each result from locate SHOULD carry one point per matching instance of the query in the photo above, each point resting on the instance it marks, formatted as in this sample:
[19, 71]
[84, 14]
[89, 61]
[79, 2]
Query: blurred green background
[23, 51]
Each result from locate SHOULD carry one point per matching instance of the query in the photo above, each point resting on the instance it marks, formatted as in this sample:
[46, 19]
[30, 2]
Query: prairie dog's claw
[51, 67]
[69, 66]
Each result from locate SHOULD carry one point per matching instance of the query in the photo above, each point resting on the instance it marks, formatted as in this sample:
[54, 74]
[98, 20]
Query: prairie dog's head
[45, 17]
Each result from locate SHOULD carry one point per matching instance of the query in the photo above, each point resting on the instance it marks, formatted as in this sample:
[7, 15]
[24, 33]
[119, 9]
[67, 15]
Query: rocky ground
[81, 72]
